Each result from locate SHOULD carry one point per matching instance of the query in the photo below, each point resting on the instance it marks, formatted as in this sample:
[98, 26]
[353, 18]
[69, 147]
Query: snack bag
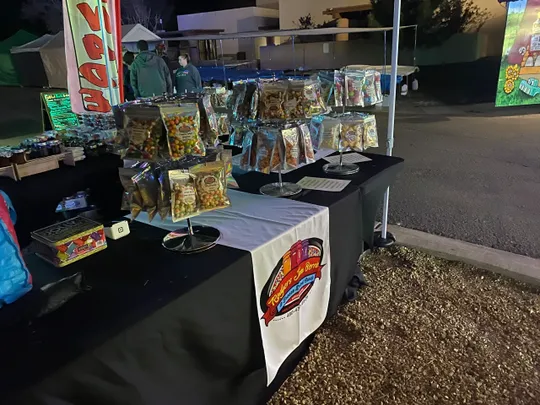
[339, 87]
[246, 161]
[266, 142]
[143, 130]
[352, 130]
[307, 155]
[315, 128]
[131, 199]
[183, 195]
[372, 88]
[223, 124]
[226, 157]
[272, 98]
[295, 105]
[354, 84]
[164, 190]
[330, 133]
[211, 185]
[370, 138]
[246, 105]
[219, 97]
[238, 98]
[237, 136]
[326, 80]
[182, 124]
[208, 115]
[313, 101]
[291, 158]
[254, 109]
[148, 187]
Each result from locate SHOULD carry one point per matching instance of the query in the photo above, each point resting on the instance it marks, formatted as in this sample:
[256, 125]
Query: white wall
[234, 20]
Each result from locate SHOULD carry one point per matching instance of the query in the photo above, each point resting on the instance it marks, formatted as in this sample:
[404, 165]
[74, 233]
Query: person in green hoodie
[187, 77]
[150, 75]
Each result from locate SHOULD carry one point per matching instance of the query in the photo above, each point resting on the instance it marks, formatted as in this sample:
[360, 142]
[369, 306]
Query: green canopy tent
[8, 74]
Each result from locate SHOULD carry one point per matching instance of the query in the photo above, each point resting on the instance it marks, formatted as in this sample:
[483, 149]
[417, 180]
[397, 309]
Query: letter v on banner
[93, 54]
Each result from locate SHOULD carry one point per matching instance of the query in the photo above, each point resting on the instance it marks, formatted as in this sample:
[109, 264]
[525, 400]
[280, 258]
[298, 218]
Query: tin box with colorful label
[66, 242]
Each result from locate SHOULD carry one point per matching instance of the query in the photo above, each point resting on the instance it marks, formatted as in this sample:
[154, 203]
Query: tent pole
[119, 55]
[386, 239]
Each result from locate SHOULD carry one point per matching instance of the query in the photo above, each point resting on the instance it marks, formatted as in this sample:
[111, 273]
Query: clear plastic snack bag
[182, 124]
[313, 100]
[143, 130]
[370, 135]
[272, 99]
[352, 132]
[211, 132]
[339, 88]
[211, 185]
[354, 85]
[372, 88]
[238, 98]
[184, 201]
[223, 124]
[307, 154]
[330, 133]
[148, 188]
[131, 198]
[291, 157]
[246, 160]
[266, 142]
[295, 104]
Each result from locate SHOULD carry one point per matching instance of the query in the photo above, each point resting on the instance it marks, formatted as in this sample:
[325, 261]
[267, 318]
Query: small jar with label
[5, 157]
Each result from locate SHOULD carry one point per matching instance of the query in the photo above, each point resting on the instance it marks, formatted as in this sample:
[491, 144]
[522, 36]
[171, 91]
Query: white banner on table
[290, 250]
[292, 287]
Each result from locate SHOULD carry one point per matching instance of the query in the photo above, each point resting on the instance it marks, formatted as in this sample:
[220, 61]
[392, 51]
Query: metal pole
[414, 49]
[392, 106]
[223, 62]
[294, 55]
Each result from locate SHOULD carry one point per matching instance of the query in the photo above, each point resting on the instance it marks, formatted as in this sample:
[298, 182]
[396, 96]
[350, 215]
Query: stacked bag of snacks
[357, 88]
[345, 132]
[164, 188]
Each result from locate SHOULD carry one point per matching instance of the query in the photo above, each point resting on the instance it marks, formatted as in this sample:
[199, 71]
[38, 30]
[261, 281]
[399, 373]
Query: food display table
[161, 328]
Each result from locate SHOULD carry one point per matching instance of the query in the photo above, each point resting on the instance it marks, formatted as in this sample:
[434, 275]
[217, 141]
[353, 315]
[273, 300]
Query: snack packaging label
[182, 124]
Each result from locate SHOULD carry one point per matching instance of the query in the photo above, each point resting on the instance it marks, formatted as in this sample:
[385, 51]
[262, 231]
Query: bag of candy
[182, 124]
[211, 186]
[164, 189]
[272, 98]
[266, 142]
[209, 116]
[223, 124]
[143, 129]
[237, 136]
[220, 96]
[372, 88]
[238, 98]
[314, 103]
[148, 188]
[254, 108]
[339, 87]
[307, 154]
[131, 199]
[315, 128]
[354, 84]
[291, 157]
[295, 105]
[352, 129]
[245, 105]
[327, 87]
[183, 195]
[329, 133]
[246, 160]
[370, 136]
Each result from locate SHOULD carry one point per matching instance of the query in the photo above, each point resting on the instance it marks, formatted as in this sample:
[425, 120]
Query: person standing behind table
[187, 77]
[150, 75]
[129, 57]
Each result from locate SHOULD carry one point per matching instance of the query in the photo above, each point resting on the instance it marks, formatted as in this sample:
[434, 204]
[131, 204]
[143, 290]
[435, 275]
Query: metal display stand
[280, 189]
[341, 169]
[191, 239]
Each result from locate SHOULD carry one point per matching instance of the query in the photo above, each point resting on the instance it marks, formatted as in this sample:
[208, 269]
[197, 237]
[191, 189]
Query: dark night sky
[10, 20]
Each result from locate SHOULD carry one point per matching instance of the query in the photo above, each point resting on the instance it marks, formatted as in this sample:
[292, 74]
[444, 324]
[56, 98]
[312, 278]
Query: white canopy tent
[133, 33]
[385, 239]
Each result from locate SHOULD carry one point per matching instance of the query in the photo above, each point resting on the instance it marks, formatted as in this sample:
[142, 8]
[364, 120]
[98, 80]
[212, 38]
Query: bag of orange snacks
[182, 124]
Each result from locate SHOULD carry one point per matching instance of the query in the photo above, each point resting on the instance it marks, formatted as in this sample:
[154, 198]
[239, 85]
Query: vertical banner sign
[292, 286]
[519, 75]
[92, 55]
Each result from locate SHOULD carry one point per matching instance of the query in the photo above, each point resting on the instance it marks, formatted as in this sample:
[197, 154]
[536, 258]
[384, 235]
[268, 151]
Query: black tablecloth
[159, 328]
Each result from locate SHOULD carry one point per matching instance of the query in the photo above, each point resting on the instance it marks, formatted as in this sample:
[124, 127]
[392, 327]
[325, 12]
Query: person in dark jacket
[150, 75]
[129, 57]
[187, 77]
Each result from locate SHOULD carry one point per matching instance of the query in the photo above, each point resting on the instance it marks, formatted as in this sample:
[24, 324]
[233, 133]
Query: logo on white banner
[292, 279]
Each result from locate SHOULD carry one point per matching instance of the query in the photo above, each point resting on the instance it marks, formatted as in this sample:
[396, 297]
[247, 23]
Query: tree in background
[437, 20]
[148, 13]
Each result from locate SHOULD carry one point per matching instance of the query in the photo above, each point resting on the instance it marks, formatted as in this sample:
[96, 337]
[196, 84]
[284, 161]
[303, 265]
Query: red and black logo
[292, 278]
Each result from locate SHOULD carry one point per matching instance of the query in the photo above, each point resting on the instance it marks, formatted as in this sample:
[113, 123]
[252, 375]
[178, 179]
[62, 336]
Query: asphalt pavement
[470, 174]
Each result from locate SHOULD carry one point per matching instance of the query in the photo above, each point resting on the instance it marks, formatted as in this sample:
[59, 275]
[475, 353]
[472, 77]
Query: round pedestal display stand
[191, 239]
[280, 189]
[341, 169]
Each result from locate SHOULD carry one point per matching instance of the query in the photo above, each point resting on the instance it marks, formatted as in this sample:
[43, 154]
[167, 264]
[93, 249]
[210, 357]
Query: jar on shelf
[40, 150]
[5, 157]
[54, 147]
[18, 156]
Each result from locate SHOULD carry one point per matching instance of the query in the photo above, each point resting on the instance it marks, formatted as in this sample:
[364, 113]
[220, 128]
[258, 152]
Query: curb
[521, 268]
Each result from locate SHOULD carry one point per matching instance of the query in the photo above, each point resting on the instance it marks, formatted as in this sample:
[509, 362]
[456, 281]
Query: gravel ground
[425, 331]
